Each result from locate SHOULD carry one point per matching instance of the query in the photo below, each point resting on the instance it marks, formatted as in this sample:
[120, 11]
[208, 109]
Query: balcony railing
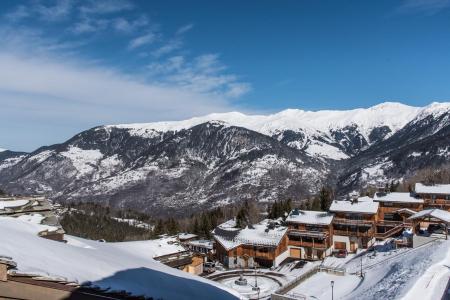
[368, 233]
[308, 244]
[353, 222]
[306, 233]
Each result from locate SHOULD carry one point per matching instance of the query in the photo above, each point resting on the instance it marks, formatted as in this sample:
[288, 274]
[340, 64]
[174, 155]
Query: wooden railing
[308, 244]
[368, 233]
[314, 234]
[353, 222]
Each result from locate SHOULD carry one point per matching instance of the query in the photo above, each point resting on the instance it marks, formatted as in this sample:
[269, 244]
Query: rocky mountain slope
[225, 158]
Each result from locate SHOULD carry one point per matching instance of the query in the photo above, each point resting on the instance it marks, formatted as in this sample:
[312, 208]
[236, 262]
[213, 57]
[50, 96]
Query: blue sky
[70, 65]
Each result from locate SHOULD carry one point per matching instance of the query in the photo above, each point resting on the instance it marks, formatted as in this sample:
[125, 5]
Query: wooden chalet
[394, 211]
[263, 244]
[354, 223]
[310, 234]
[434, 196]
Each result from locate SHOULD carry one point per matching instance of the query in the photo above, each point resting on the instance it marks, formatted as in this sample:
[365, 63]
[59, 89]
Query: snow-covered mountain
[229, 157]
[326, 133]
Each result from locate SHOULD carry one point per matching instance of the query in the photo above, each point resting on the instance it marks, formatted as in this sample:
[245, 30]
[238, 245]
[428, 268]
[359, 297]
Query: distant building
[265, 243]
[205, 247]
[354, 223]
[35, 209]
[310, 234]
[186, 237]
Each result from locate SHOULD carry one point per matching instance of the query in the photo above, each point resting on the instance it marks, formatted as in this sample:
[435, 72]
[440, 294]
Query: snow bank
[106, 265]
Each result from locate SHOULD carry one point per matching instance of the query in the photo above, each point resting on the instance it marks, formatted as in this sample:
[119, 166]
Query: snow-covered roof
[202, 243]
[432, 189]
[258, 235]
[310, 217]
[396, 197]
[439, 214]
[364, 205]
[117, 266]
[155, 248]
[10, 203]
[186, 236]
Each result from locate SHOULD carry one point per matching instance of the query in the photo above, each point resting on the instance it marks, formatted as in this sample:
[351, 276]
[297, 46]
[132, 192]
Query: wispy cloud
[57, 11]
[185, 28]
[48, 77]
[105, 6]
[128, 26]
[142, 40]
[205, 74]
[428, 7]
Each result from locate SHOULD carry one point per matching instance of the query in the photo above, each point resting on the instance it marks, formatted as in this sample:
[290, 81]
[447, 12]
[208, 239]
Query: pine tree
[325, 197]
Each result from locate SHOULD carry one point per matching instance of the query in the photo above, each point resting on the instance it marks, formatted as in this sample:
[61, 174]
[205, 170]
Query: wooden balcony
[306, 233]
[314, 245]
[343, 221]
[368, 233]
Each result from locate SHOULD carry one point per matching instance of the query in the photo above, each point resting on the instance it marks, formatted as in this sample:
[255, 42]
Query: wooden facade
[440, 201]
[261, 254]
[314, 239]
[354, 224]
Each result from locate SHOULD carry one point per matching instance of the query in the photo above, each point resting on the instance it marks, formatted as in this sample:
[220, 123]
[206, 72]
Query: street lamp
[332, 290]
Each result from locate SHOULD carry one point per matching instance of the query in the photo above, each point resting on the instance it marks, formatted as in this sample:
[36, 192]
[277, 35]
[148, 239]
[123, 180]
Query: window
[389, 217]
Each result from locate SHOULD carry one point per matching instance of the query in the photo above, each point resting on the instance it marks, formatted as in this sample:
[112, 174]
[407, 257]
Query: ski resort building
[434, 196]
[310, 234]
[394, 211]
[265, 244]
[354, 223]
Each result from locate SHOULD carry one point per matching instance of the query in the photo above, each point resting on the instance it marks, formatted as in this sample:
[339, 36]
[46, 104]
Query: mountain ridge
[213, 163]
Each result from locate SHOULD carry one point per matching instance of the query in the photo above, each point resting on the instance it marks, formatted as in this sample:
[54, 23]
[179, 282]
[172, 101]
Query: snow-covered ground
[118, 266]
[319, 286]
[408, 274]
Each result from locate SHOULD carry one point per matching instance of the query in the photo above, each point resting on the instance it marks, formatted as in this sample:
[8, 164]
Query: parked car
[209, 267]
[436, 228]
[342, 253]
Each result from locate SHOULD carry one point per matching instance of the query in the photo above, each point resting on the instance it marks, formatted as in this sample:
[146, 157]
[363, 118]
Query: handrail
[352, 222]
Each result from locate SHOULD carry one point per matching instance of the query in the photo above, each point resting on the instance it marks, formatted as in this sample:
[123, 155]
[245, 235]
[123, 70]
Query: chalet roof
[396, 198]
[258, 235]
[420, 188]
[439, 214]
[406, 210]
[364, 205]
[20, 205]
[310, 217]
[202, 243]
[186, 236]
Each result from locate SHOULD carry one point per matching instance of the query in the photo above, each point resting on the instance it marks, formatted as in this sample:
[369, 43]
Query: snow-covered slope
[121, 266]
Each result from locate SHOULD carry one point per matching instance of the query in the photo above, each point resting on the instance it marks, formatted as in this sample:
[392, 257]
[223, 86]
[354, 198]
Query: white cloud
[205, 74]
[142, 40]
[185, 28]
[57, 12]
[90, 25]
[127, 26]
[170, 46]
[105, 6]
[428, 7]
[49, 87]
